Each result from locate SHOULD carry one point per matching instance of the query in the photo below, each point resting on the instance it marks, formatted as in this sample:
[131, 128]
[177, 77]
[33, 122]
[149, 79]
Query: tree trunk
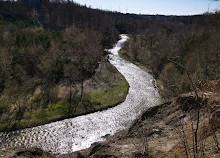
[196, 132]
[215, 139]
[81, 96]
[70, 100]
[184, 140]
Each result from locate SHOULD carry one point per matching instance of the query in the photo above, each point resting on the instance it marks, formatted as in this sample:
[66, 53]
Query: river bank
[164, 131]
[106, 89]
[157, 133]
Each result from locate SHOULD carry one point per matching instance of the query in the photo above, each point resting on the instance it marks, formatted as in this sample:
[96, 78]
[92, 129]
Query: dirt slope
[162, 130]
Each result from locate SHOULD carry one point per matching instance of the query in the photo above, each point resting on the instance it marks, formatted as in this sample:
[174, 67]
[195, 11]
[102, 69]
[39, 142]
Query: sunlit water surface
[79, 133]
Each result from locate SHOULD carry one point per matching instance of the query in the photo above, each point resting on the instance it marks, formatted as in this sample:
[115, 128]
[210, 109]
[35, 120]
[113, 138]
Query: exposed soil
[158, 132]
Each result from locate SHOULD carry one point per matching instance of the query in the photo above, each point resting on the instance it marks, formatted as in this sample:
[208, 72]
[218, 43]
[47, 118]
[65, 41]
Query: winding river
[79, 133]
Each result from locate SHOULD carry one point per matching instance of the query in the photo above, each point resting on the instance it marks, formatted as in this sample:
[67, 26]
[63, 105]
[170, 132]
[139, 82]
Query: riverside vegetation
[38, 65]
[175, 51]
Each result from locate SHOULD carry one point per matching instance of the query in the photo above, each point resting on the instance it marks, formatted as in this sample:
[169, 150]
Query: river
[78, 133]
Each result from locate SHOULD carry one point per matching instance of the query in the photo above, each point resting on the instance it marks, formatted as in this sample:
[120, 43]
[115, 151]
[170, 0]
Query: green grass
[112, 96]
[159, 84]
[178, 155]
[37, 117]
[120, 53]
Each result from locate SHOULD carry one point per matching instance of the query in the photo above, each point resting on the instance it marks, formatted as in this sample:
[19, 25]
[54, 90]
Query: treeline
[58, 14]
[61, 14]
[179, 52]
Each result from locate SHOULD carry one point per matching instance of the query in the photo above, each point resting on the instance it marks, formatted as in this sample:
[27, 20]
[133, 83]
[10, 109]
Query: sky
[164, 7]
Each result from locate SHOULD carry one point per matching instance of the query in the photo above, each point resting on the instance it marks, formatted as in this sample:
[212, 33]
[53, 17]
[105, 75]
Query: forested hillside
[179, 53]
[45, 62]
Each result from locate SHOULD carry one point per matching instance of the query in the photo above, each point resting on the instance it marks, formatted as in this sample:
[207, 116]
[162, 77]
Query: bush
[178, 155]
[185, 86]
[3, 108]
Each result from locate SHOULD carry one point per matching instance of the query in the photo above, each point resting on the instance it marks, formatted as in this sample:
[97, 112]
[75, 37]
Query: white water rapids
[79, 133]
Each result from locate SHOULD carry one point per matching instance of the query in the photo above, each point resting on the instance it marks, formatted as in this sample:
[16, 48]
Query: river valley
[78, 133]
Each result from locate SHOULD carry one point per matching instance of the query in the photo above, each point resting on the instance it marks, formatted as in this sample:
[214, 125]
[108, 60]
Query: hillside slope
[161, 131]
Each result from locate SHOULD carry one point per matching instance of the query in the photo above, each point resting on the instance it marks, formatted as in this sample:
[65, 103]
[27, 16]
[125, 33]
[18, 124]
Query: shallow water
[79, 133]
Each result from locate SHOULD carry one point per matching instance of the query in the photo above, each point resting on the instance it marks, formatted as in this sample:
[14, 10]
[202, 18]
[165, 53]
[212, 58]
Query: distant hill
[59, 14]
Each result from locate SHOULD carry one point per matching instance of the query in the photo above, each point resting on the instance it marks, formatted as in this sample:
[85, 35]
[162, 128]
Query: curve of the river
[79, 133]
